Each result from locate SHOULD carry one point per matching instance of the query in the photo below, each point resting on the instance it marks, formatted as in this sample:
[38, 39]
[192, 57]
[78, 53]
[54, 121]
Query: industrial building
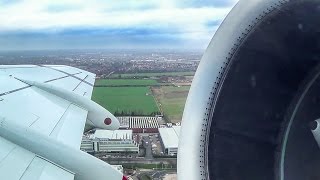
[140, 124]
[170, 139]
[118, 141]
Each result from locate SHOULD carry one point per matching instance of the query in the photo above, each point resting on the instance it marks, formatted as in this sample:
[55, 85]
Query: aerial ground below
[144, 94]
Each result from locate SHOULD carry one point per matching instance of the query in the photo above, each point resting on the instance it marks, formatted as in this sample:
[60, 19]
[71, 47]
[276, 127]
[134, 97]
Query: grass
[125, 82]
[128, 99]
[117, 96]
[172, 100]
[152, 74]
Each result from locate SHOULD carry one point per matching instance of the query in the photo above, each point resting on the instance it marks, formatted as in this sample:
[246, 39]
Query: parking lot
[152, 144]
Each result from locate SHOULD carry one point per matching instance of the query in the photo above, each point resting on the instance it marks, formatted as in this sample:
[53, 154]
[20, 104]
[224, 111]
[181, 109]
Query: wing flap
[5, 149]
[34, 170]
[17, 163]
[74, 117]
[41, 169]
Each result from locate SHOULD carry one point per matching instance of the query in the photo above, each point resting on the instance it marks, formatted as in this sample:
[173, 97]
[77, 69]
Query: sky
[110, 24]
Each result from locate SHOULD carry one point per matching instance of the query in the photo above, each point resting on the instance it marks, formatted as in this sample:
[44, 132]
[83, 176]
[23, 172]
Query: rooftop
[117, 134]
[170, 136]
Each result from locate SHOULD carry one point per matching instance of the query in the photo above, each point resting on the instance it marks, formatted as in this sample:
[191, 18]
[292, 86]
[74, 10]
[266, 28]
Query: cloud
[9, 2]
[134, 20]
[90, 38]
[60, 8]
[207, 3]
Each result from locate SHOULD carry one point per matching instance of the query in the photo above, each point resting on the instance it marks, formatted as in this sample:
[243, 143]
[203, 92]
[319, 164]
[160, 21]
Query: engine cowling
[255, 92]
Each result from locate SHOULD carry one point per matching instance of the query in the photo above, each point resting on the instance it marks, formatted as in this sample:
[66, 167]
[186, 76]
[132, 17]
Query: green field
[172, 100]
[152, 74]
[125, 82]
[127, 99]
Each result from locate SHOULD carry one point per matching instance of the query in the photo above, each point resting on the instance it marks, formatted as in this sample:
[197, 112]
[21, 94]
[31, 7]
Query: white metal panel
[34, 170]
[7, 111]
[5, 148]
[52, 172]
[68, 83]
[71, 70]
[76, 85]
[17, 66]
[15, 164]
[21, 164]
[5, 86]
[18, 163]
[47, 107]
[36, 73]
[84, 90]
[40, 169]
[82, 75]
[91, 78]
[70, 128]
[67, 69]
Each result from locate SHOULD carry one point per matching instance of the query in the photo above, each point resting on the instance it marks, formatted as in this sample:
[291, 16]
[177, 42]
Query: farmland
[172, 100]
[128, 99]
[132, 96]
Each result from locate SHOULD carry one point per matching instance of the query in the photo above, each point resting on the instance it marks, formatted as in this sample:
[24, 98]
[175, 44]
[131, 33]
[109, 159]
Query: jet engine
[251, 109]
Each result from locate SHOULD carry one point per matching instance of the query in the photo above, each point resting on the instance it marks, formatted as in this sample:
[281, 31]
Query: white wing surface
[53, 119]
[40, 110]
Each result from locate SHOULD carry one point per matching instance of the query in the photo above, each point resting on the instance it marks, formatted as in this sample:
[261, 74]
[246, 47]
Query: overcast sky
[110, 24]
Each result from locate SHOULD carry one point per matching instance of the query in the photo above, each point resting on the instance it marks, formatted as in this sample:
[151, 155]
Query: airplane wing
[43, 113]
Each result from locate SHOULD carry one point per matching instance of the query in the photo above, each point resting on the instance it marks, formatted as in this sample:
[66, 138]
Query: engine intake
[254, 94]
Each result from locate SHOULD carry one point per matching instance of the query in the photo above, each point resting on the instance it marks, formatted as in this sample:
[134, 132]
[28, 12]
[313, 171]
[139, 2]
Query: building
[118, 141]
[87, 144]
[170, 139]
[140, 124]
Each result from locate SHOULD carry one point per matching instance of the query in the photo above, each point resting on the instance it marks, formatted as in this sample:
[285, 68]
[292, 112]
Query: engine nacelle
[256, 90]
[315, 129]
[97, 117]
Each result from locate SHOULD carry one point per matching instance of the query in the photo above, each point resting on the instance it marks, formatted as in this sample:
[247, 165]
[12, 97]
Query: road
[110, 74]
[148, 147]
[172, 161]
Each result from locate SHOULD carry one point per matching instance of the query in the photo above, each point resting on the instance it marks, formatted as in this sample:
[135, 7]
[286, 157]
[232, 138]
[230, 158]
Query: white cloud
[34, 14]
[52, 16]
